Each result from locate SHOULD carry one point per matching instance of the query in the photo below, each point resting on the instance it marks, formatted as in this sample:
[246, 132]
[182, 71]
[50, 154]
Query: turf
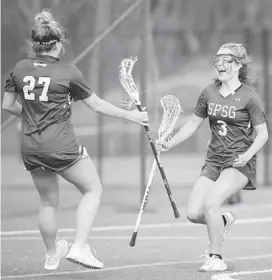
[166, 249]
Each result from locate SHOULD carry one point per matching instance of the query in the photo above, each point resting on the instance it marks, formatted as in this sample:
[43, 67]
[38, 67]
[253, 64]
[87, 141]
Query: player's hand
[241, 160]
[163, 146]
[127, 104]
[138, 117]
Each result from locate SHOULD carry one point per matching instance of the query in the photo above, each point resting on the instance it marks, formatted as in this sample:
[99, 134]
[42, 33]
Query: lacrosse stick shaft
[144, 201]
[161, 169]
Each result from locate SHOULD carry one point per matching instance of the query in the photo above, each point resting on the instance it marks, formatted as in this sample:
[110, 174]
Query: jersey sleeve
[10, 84]
[256, 110]
[201, 107]
[79, 88]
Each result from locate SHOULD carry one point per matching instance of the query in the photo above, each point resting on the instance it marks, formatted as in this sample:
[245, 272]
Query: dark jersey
[232, 119]
[46, 87]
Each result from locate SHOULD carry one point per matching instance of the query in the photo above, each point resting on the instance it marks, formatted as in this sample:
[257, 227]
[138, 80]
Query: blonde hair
[46, 32]
[241, 56]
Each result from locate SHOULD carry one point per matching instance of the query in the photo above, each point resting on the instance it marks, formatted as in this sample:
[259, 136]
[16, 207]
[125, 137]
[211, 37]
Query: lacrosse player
[235, 111]
[49, 146]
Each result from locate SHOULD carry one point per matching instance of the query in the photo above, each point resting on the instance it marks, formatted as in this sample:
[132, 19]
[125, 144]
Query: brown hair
[46, 32]
[241, 56]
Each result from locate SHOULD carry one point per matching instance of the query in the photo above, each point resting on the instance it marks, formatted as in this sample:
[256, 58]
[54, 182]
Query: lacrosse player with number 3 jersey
[49, 146]
[235, 114]
[232, 120]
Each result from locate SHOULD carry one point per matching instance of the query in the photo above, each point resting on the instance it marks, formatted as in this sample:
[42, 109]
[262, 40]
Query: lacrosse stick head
[126, 80]
[171, 112]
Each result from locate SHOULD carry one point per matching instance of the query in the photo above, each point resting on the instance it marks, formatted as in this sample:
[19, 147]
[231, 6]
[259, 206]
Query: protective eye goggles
[225, 58]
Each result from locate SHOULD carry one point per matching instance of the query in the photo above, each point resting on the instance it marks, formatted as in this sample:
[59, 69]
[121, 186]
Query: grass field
[166, 248]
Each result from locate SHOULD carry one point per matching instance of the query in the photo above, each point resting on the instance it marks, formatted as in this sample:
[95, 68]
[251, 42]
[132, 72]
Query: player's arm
[101, 106]
[259, 141]
[194, 122]
[191, 125]
[187, 130]
[11, 104]
[80, 90]
[259, 119]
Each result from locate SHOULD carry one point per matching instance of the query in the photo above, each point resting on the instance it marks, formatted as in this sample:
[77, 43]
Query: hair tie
[51, 42]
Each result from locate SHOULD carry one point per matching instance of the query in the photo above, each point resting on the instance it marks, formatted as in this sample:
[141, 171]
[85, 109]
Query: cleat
[52, 262]
[213, 264]
[230, 217]
[222, 276]
[84, 257]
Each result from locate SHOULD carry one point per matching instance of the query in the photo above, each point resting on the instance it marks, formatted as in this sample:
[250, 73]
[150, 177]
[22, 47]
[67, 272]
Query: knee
[211, 205]
[194, 216]
[98, 190]
[94, 189]
[52, 202]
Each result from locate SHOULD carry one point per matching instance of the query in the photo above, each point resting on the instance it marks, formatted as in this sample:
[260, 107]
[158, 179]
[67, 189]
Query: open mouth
[221, 71]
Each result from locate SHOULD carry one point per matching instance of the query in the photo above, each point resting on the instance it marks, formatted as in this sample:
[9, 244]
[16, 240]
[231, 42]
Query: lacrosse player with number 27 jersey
[46, 87]
[49, 146]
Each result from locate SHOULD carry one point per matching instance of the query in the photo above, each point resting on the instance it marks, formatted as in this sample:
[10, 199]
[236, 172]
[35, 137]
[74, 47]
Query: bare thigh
[229, 183]
[83, 175]
[199, 194]
[47, 185]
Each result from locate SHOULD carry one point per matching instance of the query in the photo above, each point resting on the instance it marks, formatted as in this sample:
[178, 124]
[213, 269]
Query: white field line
[126, 267]
[150, 238]
[227, 276]
[131, 227]
[251, 272]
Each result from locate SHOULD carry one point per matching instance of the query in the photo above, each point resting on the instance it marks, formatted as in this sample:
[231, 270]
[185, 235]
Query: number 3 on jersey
[28, 95]
[223, 128]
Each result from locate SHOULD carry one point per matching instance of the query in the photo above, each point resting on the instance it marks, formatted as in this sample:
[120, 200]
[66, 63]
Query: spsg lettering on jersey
[223, 111]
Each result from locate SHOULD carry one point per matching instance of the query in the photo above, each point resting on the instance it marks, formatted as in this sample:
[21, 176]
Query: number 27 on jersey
[31, 84]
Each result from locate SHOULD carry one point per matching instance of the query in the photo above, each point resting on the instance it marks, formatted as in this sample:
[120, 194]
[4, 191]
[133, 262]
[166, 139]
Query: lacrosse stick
[131, 89]
[171, 112]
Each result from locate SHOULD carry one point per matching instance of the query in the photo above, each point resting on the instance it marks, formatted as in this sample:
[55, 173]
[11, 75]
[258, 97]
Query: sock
[224, 220]
[217, 255]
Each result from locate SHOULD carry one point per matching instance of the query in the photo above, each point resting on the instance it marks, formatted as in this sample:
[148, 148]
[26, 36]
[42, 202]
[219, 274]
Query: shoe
[84, 257]
[222, 276]
[52, 262]
[231, 218]
[213, 264]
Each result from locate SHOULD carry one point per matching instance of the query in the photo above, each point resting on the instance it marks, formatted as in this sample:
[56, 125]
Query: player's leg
[84, 176]
[196, 203]
[202, 188]
[229, 182]
[46, 183]
[197, 200]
